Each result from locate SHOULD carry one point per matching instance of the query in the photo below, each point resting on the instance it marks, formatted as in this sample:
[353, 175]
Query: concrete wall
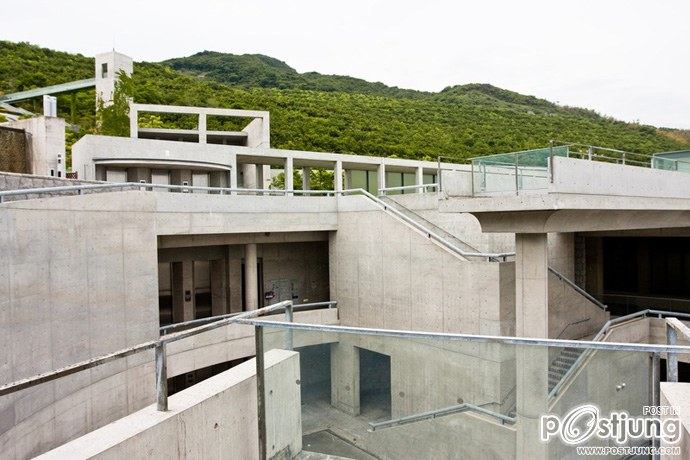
[15, 146]
[575, 176]
[78, 279]
[675, 395]
[385, 274]
[188, 213]
[216, 418]
[47, 150]
[571, 315]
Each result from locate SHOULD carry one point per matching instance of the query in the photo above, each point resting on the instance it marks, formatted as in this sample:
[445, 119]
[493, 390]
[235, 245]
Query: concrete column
[306, 178]
[202, 128]
[183, 291]
[531, 285]
[381, 172]
[289, 179]
[251, 277]
[532, 363]
[249, 176]
[347, 179]
[234, 173]
[180, 176]
[419, 178]
[338, 176]
[234, 281]
[265, 176]
[133, 122]
[345, 377]
[219, 301]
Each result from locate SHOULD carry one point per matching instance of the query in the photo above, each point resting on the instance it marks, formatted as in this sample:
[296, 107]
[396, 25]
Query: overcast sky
[628, 59]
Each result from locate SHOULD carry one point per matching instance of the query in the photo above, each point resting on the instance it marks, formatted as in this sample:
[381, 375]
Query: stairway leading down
[559, 366]
[429, 225]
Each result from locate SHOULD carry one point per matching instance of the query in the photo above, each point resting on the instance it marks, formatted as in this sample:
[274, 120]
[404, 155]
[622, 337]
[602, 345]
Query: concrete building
[444, 307]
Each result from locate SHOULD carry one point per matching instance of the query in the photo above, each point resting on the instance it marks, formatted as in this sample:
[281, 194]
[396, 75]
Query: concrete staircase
[429, 225]
[563, 362]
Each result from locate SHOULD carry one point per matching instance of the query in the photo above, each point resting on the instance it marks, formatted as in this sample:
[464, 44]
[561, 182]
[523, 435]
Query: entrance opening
[315, 372]
[374, 385]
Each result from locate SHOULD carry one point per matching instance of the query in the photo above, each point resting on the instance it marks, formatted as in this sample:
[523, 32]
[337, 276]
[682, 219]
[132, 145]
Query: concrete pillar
[265, 182]
[531, 285]
[249, 176]
[345, 377]
[202, 128]
[234, 173]
[219, 301]
[183, 291]
[289, 179]
[532, 363]
[251, 277]
[306, 171]
[133, 122]
[138, 174]
[180, 176]
[338, 176]
[260, 176]
[347, 179]
[419, 178]
[234, 281]
[381, 172]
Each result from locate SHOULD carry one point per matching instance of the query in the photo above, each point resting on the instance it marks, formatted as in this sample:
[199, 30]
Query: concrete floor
[320, 419]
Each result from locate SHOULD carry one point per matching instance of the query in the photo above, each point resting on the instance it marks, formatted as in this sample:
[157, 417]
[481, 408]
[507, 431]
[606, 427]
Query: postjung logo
[584, 422]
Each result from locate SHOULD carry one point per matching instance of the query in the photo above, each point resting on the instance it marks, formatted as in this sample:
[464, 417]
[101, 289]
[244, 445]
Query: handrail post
[517, 183]
[549, 162]
[260, 389]
[161, 377]
[289, 317]
[671, 358]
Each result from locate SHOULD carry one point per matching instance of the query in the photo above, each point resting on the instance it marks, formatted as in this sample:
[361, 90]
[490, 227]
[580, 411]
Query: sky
[626, 59]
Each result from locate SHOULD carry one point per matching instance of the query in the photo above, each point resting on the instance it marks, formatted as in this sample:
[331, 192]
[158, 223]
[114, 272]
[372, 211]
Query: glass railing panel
[391, 397]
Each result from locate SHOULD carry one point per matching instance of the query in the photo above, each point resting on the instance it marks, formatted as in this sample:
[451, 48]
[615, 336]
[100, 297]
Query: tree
[113, 120]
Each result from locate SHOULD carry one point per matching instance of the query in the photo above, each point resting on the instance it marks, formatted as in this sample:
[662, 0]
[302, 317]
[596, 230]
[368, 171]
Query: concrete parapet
[216, 418]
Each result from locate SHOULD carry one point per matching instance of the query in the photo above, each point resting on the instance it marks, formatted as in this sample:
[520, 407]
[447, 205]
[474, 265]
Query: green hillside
[333, 113]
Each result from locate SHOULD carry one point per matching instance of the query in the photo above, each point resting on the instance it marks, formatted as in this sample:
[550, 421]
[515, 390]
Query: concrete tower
[108, 66]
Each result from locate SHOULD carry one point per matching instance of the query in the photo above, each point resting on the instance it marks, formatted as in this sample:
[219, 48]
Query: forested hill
[310, 111]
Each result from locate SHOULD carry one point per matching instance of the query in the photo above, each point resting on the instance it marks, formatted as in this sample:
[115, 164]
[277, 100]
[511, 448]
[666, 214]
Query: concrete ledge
[215, 418]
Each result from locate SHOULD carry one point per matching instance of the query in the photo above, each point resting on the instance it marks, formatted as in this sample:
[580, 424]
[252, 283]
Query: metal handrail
[474, 338]
[195, 322]
[602, 333]
[429, 415]
[160, 356]
[430, 234]
[577, 288]
[407, 187]
[143, 185]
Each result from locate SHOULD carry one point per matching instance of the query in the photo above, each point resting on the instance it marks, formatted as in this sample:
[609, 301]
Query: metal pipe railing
[577, 288]
[430, 234]
[160, 353]
[444, 412]
[506, 340]
[422, 187]
[195, 322]
[79, 189]
[602, 333]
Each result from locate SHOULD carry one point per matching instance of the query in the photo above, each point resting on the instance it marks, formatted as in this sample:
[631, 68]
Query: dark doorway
[374, 385]
[315, 372]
